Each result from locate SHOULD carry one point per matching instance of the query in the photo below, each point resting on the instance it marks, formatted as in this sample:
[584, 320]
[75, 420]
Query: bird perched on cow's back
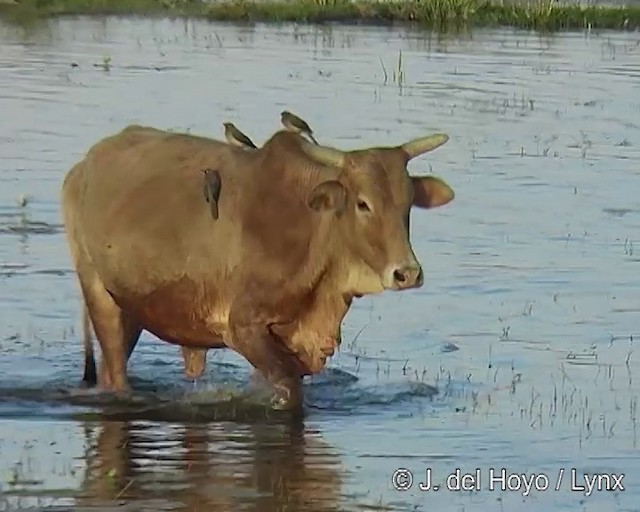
[296, 124]
[236, 137]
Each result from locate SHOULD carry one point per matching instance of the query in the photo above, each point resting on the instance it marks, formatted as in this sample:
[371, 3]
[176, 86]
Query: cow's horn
[324, 154]
[422, 145]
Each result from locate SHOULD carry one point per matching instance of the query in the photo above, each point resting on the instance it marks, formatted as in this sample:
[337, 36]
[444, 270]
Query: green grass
[443, 15]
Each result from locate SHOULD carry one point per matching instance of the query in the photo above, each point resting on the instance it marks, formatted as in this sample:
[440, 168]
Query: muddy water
[518, 353]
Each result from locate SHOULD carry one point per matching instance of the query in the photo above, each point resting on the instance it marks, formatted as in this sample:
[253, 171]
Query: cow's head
[372, 198]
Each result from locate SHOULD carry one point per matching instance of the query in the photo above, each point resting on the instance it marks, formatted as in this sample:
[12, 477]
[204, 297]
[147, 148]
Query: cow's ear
[328, 195]
[431, 192]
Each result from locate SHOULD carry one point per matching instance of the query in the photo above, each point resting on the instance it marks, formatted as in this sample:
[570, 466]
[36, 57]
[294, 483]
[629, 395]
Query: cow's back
[139, 211]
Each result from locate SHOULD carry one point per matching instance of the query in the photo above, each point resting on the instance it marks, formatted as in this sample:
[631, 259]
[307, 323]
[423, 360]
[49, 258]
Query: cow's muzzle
[407, 276]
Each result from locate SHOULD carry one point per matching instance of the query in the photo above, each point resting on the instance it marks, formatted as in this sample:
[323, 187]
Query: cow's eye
[363, 206]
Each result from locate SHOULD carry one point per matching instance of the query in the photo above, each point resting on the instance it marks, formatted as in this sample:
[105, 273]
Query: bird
[295, 124]
[212, 186]
[236, 137]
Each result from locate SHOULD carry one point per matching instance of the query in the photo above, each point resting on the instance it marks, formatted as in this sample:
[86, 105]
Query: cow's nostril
[399, 276]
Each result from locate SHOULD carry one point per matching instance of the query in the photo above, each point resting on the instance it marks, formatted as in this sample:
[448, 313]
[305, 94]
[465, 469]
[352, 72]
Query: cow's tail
[90, 378]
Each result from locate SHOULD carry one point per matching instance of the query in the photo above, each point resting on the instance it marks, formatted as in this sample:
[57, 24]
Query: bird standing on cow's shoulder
[295, 124]
[236, 137]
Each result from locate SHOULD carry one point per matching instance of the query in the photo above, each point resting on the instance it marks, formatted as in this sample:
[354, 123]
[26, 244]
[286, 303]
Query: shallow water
[524, 329]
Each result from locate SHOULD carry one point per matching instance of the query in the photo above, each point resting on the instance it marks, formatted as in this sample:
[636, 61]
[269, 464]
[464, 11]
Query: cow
[301, 230]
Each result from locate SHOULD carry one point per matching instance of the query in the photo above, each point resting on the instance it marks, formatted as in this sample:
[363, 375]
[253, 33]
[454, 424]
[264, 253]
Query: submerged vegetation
[543, 15]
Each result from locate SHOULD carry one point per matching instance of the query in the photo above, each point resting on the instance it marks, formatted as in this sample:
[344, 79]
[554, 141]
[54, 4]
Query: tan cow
[301, 230]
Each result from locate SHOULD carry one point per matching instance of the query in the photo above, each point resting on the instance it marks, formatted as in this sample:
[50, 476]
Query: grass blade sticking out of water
[441, 15]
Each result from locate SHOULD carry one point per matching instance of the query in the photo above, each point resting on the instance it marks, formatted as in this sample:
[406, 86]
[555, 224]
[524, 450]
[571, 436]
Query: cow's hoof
[86, 385]
[121, 394]
[82, 391]
[280, 403]
[283, 400]
[194, 385]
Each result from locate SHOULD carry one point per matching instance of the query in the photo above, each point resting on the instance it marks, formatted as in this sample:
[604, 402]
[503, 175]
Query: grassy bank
[543, 15]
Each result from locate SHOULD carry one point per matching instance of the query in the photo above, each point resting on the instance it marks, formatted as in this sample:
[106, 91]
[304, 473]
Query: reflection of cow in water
[210, 467]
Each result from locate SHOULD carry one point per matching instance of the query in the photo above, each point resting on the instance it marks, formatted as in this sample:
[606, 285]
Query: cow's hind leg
[195, 362]
[116, 331]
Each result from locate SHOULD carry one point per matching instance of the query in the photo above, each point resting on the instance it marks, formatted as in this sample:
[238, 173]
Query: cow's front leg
[256, 344]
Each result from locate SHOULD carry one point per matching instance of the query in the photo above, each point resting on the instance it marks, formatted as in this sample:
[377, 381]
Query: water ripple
[518, 352]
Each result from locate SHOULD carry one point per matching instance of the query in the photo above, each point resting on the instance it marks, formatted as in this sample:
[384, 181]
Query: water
[524, 328]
